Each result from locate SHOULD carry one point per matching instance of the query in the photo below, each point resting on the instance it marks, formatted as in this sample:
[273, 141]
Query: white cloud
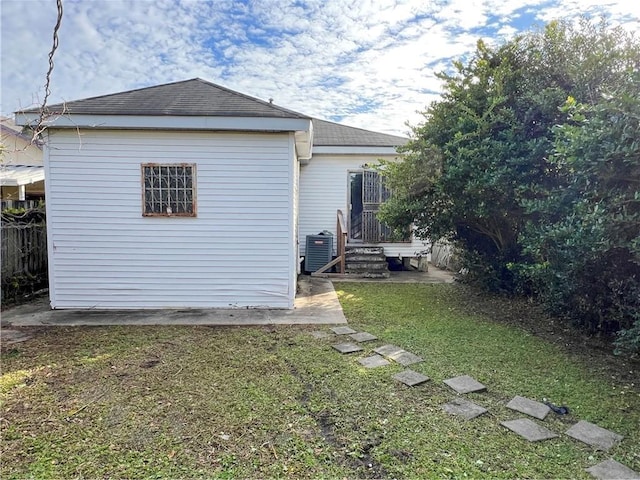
[371, 62]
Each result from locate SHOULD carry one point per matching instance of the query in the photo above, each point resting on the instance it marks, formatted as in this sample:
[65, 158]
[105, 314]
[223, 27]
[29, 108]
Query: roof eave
[167, 122]
[355, 150]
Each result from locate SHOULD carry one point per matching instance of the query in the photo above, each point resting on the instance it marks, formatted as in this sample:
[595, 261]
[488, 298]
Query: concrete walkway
[434, 275]
[316, 303]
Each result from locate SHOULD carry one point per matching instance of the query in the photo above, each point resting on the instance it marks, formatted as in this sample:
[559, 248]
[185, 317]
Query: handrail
[342, 235]
[341, 230]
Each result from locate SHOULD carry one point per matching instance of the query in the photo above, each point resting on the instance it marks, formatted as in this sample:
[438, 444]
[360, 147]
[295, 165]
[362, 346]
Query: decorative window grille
[169, 190]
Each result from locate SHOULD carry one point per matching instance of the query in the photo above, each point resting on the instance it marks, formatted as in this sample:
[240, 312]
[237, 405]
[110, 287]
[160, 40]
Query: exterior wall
[237, 252]
[296, 215]
[324, 190]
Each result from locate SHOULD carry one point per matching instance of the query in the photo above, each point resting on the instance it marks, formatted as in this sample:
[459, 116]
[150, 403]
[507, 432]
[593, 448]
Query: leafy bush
[530, 164]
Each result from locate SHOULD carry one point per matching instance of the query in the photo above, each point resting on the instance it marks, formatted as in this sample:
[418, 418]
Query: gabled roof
[199, 98]
[195, 97]
[333, 134]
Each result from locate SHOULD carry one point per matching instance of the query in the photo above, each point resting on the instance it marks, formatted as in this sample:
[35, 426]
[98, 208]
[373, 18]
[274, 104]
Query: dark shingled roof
[333, 134]
[195, 97]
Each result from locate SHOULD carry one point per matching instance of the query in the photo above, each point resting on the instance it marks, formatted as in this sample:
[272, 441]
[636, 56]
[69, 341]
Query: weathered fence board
[443, 255]
[24, 257]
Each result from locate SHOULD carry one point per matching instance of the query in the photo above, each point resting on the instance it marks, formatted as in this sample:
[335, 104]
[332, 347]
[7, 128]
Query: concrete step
[364, 251]
[365, 258]
[366, 266]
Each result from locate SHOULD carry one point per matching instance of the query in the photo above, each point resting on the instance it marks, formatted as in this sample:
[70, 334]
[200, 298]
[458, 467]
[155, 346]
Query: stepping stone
[465, 384]
[398, 354]
[594, 435]
[347, 348]
[612, 470]
[406, 358]
[410, 378]
[529, 407]
[528, 429]
[464, 408]
[363, 337]
[320, 335]
[343, 330]
[388, 350]
[373, 361]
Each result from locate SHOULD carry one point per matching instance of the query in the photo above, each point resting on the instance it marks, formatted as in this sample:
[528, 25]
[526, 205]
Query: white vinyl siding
[324, 190]
[237, 252]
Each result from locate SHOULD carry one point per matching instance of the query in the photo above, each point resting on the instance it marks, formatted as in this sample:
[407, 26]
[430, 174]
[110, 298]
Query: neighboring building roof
[195, 97]
[15, 175]
[9, 127]
[333, 134]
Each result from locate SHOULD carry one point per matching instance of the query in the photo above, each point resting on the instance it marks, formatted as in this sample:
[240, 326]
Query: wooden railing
[341, 244]
[341, 230]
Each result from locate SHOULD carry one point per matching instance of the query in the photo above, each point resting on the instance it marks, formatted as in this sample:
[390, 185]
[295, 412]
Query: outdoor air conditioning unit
[318, 252]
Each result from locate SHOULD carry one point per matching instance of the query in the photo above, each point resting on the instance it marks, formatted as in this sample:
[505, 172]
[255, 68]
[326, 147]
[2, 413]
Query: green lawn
[198, 402]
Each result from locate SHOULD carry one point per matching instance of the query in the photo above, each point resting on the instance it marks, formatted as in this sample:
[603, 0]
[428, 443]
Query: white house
[191, 195]
[21, 168]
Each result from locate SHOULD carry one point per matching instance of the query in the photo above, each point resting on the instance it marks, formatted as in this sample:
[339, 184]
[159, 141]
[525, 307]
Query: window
[169, 190]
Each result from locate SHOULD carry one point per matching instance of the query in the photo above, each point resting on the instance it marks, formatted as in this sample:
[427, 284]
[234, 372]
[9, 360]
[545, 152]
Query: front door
[366, 193]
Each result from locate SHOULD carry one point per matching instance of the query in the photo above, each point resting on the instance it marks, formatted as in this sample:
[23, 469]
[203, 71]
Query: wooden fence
[24, 258]
[444, 256]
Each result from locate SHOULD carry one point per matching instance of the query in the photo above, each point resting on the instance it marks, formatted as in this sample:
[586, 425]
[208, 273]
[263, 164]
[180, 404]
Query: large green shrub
[529, 164]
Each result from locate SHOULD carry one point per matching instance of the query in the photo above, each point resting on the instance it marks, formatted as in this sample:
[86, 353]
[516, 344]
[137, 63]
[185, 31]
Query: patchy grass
[198, 402]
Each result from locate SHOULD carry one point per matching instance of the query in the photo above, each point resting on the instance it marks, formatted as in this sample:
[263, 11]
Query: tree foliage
[529, 162]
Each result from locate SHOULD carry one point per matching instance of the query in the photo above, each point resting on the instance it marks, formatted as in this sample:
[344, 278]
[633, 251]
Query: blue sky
[365, 63]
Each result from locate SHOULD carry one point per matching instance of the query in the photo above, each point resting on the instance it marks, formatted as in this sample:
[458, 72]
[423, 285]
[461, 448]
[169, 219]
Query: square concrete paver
[363, 337]
[388, 350]
[465, 384]
[343, 330]
[594, 435]
[405, 358]
[464, 408]
[410, 378]
[347, 348]
[528, 429]
[612, 470]
[529, 407]
[373, 361]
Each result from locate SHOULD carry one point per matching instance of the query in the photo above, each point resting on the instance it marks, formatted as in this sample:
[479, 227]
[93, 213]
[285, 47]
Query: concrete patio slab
[594, 435]
[433, 275]
[363, 337]
[373, 361]
[465, 384]
[529, 407]
[316, 303]
[410, 378]
[464, 408]
[347, 347]
[612, 470]
[528, 429]
[342, 330]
